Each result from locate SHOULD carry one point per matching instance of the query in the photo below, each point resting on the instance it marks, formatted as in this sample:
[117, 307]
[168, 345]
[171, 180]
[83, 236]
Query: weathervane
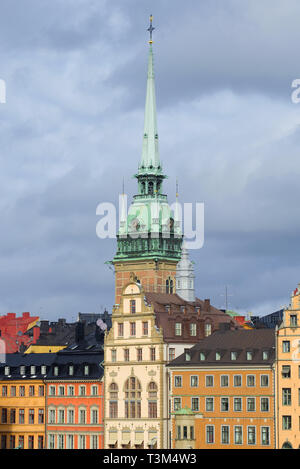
[150, 29]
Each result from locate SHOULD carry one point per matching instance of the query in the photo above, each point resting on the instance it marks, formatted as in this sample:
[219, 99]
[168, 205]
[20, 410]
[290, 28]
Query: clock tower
[149, 237]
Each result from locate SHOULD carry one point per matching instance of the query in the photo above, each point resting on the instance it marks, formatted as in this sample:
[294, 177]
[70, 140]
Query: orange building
[222, 392]
[288, 373]
[74, 399]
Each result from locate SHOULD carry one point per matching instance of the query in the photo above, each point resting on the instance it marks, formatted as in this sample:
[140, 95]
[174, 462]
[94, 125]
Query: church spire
[150, 155]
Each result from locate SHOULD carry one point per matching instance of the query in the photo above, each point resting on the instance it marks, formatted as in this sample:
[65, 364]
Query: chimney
[44, 326]
[36, 334]
[207, 304]
[79, 331]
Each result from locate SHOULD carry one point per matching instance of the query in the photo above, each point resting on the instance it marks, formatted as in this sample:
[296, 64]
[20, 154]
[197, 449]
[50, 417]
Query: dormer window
[6, 370]
[43, 369]
[202, 356]
[265, 355]
[32, 370]
[22, 370]
[218, 356]
[86, 370]
[55, 371]
[187, 355]
[249, 355]
[233, 355]
[71, 370]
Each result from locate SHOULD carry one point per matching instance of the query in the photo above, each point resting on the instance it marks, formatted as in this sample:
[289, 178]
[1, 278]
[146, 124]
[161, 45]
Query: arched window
[150, 188]
[152, 400]
[169, 285]
[132, 398]
[113, 400]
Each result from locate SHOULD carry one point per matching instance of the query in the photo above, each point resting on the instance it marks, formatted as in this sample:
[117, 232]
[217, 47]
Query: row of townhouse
[52, 401]
[155, 385]
[233, 388]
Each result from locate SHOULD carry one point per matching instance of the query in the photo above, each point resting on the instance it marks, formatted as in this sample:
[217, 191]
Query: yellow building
[288, 373]
[23, 401]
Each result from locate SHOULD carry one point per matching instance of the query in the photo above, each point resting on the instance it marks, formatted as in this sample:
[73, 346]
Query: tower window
[169, 285]
[150, 188]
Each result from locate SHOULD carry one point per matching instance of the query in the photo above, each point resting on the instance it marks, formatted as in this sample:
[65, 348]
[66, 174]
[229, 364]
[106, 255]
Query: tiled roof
[224, 342]
[15, 360]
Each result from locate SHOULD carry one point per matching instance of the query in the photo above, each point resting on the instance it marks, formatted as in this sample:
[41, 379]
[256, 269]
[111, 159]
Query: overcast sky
[75, 72]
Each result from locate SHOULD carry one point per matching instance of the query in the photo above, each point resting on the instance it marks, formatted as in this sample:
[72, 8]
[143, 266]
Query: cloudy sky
[71, 129]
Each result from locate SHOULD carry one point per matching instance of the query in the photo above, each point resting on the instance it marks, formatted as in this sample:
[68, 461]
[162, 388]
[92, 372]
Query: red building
[74, 398]
[18, 332]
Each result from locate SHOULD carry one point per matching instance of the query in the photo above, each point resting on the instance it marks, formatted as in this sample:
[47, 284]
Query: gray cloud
[72, 128]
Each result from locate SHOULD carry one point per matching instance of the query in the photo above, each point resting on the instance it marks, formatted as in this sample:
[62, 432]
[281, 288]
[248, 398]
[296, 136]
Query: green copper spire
[150, 154]
[149, 230]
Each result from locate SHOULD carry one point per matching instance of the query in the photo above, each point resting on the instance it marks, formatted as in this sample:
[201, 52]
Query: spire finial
[150, 29]
[176, 188]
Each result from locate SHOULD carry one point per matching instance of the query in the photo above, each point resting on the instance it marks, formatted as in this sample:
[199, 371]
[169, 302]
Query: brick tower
[149, 237]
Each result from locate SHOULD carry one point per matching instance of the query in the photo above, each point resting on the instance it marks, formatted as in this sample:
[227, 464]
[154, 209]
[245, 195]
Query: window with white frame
[177, 403]
[251, 435]
[224, 381]
[210, 434]
[250, 381]
[250, 404]
[195, 404]
[264, 404]
[224, 404]
[209, 381]
[237, 404]
[51, 416]
[225, 434]
[70, 441]
[265, 435]
[70, 415]
[51, 441]
[238, 435]
[237, 381]
[264, 381]
[209, 404]
[194, 381]
[177, 381]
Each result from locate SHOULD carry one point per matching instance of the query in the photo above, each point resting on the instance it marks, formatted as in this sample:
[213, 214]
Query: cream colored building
[135, 410]
[288, 376]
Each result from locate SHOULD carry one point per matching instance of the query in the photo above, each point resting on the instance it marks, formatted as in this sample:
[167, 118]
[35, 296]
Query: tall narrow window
[132, 328]
[133, 398]
[152, 400]
[120, 329]
[132, 307]
[145, 328]
[113, 401]
[152, 354]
